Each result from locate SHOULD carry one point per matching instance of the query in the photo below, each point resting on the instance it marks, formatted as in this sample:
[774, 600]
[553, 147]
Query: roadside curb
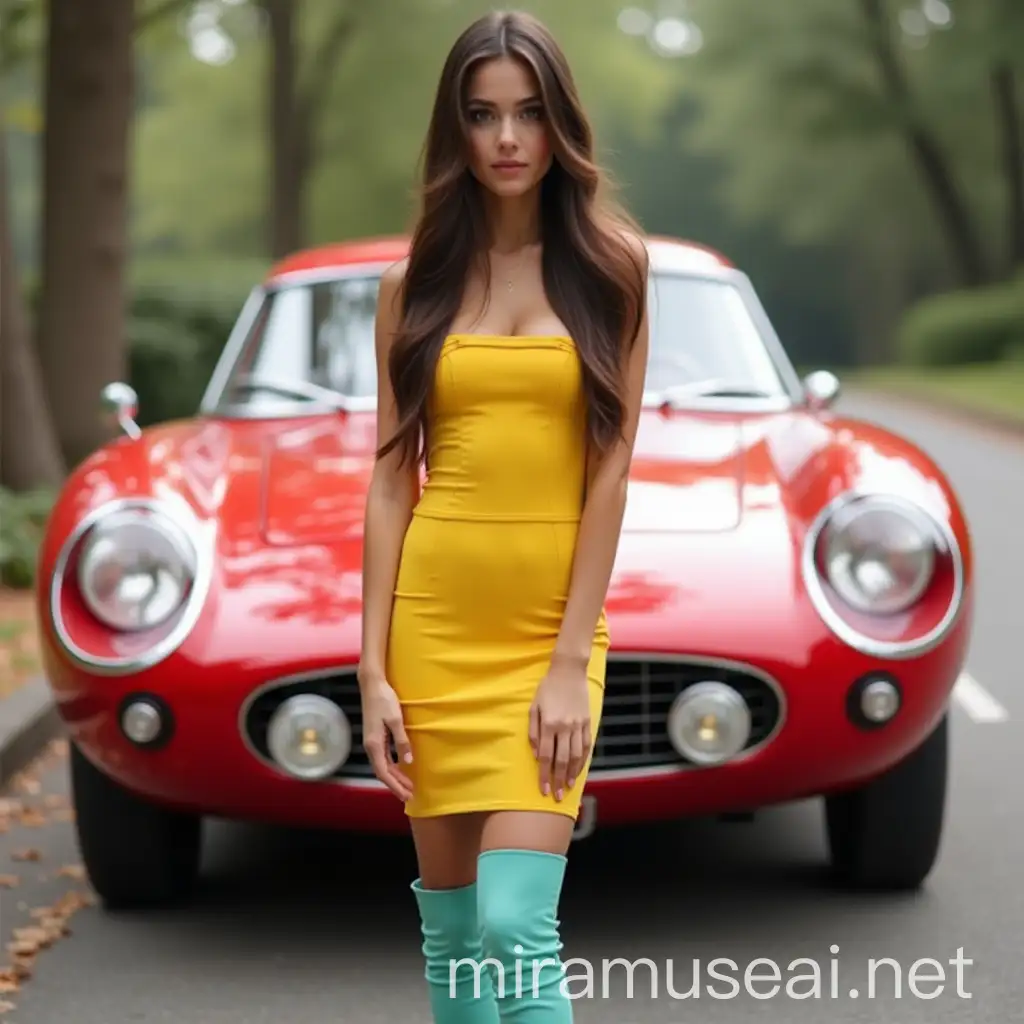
[1006, 426]
[28, 722]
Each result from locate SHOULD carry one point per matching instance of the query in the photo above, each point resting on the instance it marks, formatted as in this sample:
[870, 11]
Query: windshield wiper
[714, 388]
[734, 391]
[291, 389]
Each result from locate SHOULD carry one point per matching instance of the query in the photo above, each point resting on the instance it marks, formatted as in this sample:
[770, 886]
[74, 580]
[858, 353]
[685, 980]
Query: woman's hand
[560, 726]
[382, 722]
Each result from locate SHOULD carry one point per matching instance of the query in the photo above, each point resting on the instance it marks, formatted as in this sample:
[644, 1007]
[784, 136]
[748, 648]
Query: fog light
[142, 722]
[309, 736]
[879, 700]
[709, 723]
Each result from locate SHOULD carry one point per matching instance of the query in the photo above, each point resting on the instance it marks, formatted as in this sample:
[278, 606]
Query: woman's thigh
[447, 848]
[546, 831]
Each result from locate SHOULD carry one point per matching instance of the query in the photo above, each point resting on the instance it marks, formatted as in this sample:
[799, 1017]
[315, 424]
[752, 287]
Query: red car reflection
[789, 612]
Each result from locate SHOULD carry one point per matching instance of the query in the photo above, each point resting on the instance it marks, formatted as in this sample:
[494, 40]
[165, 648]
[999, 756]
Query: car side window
[287, 318]
[344, 312]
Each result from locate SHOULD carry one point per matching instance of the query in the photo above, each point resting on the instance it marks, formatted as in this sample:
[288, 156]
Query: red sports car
[789, 612]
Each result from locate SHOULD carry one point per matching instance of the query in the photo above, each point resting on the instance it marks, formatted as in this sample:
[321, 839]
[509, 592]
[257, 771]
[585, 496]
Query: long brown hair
[593, 280]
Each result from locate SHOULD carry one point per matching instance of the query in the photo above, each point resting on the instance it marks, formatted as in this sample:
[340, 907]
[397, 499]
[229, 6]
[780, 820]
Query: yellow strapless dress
[485, 571]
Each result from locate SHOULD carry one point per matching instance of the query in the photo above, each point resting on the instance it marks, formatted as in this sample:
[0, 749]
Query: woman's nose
[507, 136]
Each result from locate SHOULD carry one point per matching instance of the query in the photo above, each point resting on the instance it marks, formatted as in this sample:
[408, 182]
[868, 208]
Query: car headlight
[879, 555]
[135, 569]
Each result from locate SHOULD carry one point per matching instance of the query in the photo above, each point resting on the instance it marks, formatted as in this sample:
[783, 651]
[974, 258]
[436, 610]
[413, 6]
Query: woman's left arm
[601, 522]
[562, 736]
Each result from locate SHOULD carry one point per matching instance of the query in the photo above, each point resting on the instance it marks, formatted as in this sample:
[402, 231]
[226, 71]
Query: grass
[19, 641]
[988, 388]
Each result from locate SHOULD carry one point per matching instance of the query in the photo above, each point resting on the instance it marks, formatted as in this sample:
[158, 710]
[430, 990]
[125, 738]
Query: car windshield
[314, 342]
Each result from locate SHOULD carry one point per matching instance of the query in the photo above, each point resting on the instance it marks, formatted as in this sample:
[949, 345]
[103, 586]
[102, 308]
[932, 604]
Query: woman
[484, 634]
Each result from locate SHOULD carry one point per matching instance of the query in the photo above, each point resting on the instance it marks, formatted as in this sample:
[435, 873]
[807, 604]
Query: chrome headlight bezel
[143, 543]
[141, 650]
[841, 618]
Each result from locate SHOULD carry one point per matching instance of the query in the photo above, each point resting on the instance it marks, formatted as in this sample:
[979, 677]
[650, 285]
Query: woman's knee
[517, 901]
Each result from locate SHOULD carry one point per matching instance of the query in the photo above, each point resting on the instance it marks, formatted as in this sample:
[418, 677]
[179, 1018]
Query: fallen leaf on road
[24, 966]
[31, 940]
[32, 818]
[72, 902]
[51, 923]
[55, 928]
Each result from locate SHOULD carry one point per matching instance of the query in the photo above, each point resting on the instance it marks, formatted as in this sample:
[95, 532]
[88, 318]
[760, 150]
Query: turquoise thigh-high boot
[518, 893]
[460, 993]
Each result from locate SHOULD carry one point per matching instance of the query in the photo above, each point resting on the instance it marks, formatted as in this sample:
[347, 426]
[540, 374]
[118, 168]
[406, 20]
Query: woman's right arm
[392, 494]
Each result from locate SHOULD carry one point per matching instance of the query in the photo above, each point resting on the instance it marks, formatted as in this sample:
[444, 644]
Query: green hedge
[983, 325]
[180, 315]
[22, 522]
[180, 318]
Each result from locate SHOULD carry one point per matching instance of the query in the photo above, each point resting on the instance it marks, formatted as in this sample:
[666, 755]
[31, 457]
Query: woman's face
[510, 147]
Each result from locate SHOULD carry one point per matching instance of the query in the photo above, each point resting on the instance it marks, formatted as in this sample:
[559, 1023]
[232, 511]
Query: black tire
[886, 835]
[136, 854]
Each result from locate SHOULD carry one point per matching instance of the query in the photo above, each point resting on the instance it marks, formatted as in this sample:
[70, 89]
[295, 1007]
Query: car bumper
[209, 766]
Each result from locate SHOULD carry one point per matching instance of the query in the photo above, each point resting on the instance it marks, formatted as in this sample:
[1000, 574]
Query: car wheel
[886, 834]
[136, 854]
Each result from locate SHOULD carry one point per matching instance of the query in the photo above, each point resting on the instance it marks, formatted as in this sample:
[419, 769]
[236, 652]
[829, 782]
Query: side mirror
[822, 389]
[120, 402]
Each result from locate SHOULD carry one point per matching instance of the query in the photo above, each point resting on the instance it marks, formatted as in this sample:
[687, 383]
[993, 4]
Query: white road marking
[979, 704]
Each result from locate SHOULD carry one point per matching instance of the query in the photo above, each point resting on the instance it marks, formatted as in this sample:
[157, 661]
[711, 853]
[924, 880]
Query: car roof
[666, 252]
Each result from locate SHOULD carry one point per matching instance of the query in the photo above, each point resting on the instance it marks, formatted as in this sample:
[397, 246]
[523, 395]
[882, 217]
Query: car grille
[632, 735]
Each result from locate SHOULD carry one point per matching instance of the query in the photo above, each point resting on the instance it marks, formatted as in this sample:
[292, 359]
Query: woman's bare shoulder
[390, 289]
[622, 229]
[633, 240]
[389, 301]
[393, 277]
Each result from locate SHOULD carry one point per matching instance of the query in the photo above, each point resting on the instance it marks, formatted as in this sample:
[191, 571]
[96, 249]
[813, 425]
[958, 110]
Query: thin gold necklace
[509, 282]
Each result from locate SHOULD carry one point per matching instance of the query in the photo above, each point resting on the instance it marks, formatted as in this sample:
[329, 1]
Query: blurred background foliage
[863, 160]
[766, 130]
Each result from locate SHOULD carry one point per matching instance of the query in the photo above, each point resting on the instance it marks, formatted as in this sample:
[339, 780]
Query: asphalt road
[308, 929]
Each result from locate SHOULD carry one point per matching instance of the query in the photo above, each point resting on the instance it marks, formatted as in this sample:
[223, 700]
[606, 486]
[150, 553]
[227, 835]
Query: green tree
[840, 120]
[370, 114]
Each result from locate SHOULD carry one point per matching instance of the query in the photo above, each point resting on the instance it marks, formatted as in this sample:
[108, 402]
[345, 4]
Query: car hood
[305, 482]
[686, 478]
[718, 507]
[686, 475]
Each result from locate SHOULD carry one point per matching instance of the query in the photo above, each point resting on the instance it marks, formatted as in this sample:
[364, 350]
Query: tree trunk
[925, 150]
[29, 453]
[293, 108]
[89, 91]
[284, 132]
[1011, 135]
